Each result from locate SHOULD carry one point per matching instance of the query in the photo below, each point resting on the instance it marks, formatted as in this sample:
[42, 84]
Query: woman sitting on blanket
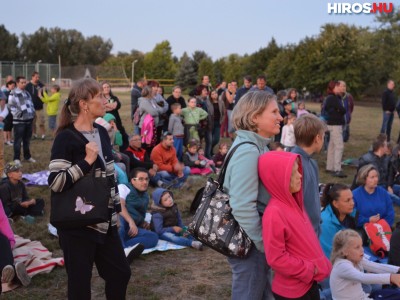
[9, 271]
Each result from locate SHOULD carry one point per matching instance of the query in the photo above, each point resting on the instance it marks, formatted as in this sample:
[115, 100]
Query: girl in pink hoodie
[291, 246]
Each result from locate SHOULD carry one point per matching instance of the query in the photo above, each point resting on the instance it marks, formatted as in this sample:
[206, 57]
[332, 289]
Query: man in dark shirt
[388, 107]
[33, 88]
[244, 89]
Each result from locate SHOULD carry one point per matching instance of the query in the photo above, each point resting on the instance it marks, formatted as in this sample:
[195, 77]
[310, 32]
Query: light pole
[37, 65]
[133, 69]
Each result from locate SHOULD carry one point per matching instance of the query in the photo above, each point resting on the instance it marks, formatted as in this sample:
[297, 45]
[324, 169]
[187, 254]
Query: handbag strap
[80, 137]
[221, 177]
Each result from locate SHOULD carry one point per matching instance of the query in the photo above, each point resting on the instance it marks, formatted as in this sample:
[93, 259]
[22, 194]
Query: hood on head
[157, 194]
[109, 117]
[275, 170]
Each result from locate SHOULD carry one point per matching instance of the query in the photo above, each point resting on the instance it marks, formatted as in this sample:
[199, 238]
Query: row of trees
[365, 58]
[48, 44]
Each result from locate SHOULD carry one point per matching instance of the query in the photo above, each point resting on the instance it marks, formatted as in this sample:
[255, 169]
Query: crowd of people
[310, 242]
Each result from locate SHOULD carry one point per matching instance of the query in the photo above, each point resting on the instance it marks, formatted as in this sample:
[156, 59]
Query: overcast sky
[219, 27]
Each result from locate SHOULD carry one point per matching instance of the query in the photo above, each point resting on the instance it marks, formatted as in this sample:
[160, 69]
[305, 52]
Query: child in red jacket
[291, 246]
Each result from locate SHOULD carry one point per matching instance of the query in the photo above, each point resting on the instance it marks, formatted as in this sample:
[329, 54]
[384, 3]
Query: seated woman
[337, 214]
[372, 202]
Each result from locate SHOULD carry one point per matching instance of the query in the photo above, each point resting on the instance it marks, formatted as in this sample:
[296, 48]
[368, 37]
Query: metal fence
[49, 73]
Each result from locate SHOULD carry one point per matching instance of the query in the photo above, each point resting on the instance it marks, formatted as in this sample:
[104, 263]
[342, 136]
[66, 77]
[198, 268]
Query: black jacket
[33, 90]
[388, 100]
[334, 110]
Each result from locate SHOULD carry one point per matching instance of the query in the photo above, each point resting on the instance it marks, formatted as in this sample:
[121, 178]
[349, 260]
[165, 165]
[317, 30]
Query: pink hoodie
[5, 227]
[291, 245]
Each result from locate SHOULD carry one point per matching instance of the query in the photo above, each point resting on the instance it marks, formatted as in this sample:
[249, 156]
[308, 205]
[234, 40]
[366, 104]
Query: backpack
[379, 235]
[148, 131]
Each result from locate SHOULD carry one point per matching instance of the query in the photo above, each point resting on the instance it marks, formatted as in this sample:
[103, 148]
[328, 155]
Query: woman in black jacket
[112, 107]
[334, 113]
[79, 145]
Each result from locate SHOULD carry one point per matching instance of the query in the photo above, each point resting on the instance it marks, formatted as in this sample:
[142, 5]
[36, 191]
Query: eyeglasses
[141, 179]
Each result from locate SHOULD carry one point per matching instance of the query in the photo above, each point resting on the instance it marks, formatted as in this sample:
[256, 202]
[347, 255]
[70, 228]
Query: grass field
[181, 274]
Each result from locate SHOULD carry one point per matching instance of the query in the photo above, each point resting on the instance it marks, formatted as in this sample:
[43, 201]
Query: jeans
[346, 133]
[176, 239]
[251, 277]
[167, 177]
[230, 127]
[396, 194]
[22, 133]
[208, 149]
[215, 136]
[147, 238]
[387, 124]
[178, 145]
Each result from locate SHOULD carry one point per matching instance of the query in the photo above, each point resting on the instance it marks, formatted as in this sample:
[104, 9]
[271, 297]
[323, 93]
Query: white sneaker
[17, 161]
[7, 274]
[31, 160]
[133, 252]
[197, 245]
[21, 273]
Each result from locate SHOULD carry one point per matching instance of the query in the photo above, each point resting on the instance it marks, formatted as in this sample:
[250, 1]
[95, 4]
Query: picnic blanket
[38, 178]
[161, 245]
[35, 257]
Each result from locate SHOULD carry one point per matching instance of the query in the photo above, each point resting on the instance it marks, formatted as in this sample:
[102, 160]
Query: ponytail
[83, 89]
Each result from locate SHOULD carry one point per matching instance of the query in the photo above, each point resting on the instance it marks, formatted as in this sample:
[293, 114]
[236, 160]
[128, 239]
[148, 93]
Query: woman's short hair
[176, 87]
[363, 173]
[250, 105]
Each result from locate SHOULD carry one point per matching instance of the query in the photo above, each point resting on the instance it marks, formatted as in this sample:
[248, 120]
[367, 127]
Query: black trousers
[394, 257]
[33, 210]
[79, 255]
[6, 256]
[312, 294]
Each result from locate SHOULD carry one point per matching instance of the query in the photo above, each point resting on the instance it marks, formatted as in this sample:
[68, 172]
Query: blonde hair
[364, 172]
[250, 105]
[340, 243]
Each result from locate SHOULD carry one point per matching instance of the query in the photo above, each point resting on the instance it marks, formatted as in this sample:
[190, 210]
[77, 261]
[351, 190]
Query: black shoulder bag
[213, 223]
[85, 203]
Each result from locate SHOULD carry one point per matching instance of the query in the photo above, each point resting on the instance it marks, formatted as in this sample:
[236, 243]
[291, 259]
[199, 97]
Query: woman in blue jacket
[372, 201]
[338, 213]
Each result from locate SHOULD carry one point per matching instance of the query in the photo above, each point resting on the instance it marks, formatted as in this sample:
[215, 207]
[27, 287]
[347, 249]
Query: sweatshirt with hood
[291, 245]
[164, 218]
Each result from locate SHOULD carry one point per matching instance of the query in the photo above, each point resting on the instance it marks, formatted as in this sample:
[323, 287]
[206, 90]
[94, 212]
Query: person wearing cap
[14, 196]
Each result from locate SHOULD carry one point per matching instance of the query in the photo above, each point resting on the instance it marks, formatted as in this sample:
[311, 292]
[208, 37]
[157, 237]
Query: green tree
[257, 63]
[219, 69]
[159, 63]
[185, 76]
[9, 45]
[74, 49]
[97, 50]
[233, 68]
[198, 56]
[206, 67]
